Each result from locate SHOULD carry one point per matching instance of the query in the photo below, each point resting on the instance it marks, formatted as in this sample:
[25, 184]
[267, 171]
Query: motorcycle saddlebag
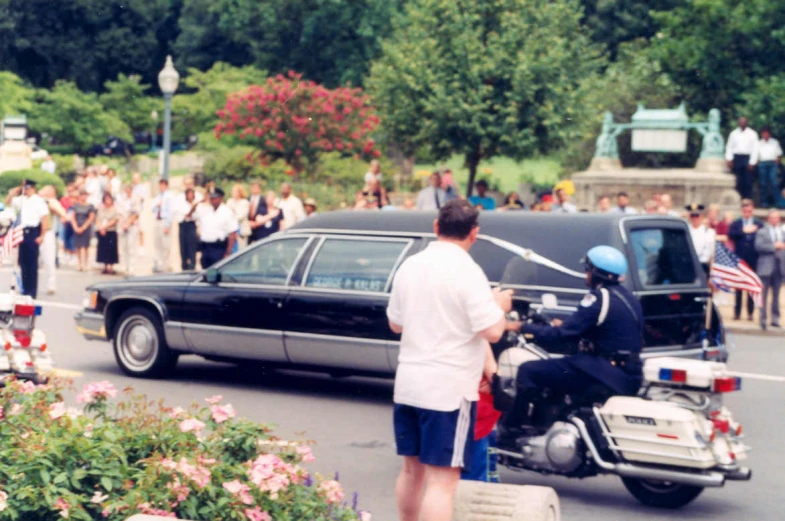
[660, 433]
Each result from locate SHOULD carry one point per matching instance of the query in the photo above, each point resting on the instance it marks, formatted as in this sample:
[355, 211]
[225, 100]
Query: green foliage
[14, 178]
[634, 78]
[483, 79]
[85, 41]
[763, 104]
[126, 98]
[65, 165]
[236, 165]
[123, 456]
[330, 42]
[195, 112]
[717, 50]
[15, 97]
[74, 117]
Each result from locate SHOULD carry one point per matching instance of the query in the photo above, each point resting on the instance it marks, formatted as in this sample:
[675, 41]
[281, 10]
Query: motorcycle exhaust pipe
[708, 479]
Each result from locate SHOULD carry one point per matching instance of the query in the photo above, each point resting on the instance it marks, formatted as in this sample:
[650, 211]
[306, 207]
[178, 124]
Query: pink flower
[73, 413]
[257, 514]
[147, 508]
[27, 387]
[1, 413]
[98, 497]
[96, 391]
[63, 507]
[56, 410]
[176, 412]
[214, 399]
[306, 454]
[15, 409]
[191, 424]
[241, 490]
[3, 500]
[364, 515]
[221, 413]
[197, 473]
[331, 490]
[179, 489]
[271, 474]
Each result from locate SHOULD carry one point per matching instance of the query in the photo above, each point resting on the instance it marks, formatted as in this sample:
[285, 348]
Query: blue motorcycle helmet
[605, 263]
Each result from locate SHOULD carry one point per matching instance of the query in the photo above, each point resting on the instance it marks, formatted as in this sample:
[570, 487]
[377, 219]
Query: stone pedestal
[706, 183]
[15, 155]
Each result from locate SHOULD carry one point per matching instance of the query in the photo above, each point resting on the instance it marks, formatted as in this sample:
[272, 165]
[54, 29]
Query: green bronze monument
[658, 130]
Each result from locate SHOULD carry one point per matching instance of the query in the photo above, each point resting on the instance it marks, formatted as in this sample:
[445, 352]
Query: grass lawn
[505, 172]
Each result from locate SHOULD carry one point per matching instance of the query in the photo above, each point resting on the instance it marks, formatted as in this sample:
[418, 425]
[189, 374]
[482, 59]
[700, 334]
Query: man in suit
[742, 232]
[258, 207]
[770, 245]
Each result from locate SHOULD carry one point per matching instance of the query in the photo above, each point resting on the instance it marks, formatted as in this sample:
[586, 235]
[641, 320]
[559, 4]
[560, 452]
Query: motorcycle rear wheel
[661, 494]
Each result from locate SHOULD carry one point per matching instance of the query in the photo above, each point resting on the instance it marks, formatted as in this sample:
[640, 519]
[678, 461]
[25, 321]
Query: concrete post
[477, 501]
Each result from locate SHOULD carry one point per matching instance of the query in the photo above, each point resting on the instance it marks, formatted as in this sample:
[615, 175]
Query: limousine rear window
[354, 265]
[662, 256]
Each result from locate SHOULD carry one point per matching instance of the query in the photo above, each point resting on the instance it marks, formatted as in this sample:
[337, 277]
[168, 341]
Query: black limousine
[314, 296]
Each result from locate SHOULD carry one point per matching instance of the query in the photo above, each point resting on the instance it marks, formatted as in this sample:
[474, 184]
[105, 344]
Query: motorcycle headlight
[90, 300]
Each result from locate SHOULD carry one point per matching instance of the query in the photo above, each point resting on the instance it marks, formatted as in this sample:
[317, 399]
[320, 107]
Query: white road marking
[753, 376]
[61, 305]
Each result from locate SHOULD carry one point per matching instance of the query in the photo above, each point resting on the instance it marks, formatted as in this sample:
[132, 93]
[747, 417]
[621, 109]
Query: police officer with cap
[609, 326]
[703, 237]
[217, 228]
[33, 216]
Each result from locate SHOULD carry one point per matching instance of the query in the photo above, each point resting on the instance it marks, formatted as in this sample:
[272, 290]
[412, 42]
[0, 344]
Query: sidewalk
[744, 326]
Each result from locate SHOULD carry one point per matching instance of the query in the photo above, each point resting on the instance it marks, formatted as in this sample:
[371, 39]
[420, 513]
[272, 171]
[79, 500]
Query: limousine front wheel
[140, 346]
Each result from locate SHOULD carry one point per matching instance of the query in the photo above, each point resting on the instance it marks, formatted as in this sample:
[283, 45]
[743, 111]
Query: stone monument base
[707, 183]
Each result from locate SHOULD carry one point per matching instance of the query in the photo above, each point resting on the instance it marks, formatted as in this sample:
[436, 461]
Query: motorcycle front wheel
[661, 494]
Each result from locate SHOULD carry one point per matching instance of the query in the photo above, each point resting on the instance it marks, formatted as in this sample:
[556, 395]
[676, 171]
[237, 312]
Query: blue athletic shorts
[441, 439]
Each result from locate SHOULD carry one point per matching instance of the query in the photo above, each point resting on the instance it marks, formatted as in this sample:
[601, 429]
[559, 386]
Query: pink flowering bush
[124, 455]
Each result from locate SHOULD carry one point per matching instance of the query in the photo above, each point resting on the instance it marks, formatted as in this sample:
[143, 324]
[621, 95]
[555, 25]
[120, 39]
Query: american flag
[729, 271]
[12, 239]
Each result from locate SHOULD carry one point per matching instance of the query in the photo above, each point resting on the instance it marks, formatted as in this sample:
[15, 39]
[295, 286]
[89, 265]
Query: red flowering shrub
[296, 120]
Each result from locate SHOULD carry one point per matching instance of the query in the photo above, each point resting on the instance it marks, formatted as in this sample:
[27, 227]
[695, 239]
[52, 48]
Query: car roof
[504, 225]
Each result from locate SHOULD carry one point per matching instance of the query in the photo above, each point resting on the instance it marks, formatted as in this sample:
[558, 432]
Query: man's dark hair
[623, 194]
[481, 182]
[164, 181]
[457, 218]
[765, 129]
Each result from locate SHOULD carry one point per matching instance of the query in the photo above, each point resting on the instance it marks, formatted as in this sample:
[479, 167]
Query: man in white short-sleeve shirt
[217, 226]
[33, 215]
[446, 312]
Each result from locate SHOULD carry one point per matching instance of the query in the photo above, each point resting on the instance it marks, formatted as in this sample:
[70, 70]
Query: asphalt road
[350, 419]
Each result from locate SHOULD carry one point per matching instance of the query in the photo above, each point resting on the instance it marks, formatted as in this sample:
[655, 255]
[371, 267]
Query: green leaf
[106, 483]
[60, 478]
[45, 476]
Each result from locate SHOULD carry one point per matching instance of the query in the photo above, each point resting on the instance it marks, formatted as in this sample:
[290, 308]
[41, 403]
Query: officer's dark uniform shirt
[608, 323]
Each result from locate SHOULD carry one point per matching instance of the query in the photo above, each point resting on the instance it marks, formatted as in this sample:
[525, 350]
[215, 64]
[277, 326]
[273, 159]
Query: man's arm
[735, 231]
[573, 327]
[763, 242]
[395, 328]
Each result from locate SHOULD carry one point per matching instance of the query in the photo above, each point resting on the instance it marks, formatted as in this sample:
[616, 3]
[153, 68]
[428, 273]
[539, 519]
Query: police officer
[609, 325]
[217, 228]
[33, 216]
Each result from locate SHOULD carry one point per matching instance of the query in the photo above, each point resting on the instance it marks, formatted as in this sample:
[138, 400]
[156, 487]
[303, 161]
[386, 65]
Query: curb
[753, 331]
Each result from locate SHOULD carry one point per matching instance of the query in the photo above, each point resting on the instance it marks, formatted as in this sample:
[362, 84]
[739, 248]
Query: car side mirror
[549, 301]
[212, 276]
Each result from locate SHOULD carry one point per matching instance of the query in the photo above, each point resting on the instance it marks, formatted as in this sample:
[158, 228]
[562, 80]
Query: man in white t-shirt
[373, 173]
[291, 206]
[443, 306]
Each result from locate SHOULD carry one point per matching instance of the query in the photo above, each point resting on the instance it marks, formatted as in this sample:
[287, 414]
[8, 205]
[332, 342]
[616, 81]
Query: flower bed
[121, 456]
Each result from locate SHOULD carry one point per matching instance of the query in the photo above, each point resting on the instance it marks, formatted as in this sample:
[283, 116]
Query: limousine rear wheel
[140, 346]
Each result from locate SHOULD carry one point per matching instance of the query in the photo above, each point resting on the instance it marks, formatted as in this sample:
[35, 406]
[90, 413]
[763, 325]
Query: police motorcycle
[667, 442]
[24, 354]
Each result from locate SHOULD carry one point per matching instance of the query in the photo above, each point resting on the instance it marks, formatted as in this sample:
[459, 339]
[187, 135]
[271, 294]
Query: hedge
[14, 178]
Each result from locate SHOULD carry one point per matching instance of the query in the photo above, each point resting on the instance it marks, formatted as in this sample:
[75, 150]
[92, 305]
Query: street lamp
[168, 79]
[154, 133]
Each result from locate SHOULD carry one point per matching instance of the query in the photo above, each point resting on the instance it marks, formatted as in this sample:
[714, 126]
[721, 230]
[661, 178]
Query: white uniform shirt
[742, 142]
[768, 150]
[94, 191]
[442, 299]
[627, 210]
[30, 209]
[370, 176]
[183, 207]
[293, 211]
[703, 238]
[215, 224]
[567, 207]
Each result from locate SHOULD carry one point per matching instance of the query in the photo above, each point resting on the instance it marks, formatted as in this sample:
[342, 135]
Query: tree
[297, 120]
[125, 97]
[15, 97]
[717, 50]
[85, 41]
[75, 118]
[497, 77]
[196, 113]
[331, 42]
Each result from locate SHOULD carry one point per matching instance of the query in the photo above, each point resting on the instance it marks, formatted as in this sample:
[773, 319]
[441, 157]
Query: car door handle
[280, 304]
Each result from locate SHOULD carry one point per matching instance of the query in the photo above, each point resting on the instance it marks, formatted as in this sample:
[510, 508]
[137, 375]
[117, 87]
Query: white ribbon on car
[531, 256]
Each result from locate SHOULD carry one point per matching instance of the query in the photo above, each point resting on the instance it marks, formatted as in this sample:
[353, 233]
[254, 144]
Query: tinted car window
[662, 257]
[269, 263]
[354, 265]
